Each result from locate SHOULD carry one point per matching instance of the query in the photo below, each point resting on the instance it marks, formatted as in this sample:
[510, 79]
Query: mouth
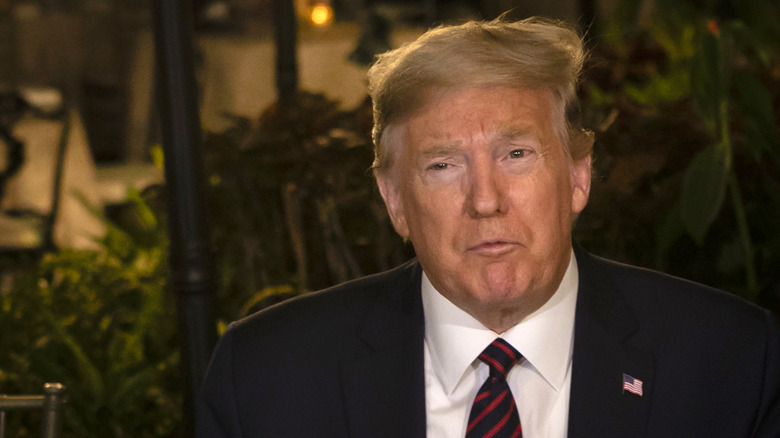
[492, 248]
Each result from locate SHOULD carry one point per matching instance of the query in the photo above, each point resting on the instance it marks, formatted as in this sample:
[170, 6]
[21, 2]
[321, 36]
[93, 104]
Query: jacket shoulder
[710, 360]
[654, 294]
[332, 311]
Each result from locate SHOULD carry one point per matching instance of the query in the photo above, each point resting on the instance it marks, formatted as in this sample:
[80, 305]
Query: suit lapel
[384, 387]
[606, 346]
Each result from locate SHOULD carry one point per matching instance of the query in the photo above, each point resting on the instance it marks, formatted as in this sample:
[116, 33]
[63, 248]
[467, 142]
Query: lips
[492, 248]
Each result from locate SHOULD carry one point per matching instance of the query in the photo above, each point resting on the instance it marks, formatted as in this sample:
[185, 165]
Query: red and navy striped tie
[494, 414]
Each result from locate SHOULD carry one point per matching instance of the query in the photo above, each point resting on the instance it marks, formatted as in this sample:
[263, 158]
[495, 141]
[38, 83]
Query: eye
[518, 153]
[439, 166]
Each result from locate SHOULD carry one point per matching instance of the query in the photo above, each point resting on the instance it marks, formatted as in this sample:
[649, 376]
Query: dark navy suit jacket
[348, 362]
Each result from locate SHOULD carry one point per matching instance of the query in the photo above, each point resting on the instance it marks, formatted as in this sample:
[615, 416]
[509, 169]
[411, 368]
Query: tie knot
[500, 357]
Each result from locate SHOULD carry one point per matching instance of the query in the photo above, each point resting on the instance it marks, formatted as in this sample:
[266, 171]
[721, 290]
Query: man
[501, 326]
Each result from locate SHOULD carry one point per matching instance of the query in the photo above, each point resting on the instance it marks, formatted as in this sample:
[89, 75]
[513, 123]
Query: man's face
[484, 190]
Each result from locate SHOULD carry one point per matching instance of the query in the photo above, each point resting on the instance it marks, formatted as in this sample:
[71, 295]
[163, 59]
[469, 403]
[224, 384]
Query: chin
[507, 294]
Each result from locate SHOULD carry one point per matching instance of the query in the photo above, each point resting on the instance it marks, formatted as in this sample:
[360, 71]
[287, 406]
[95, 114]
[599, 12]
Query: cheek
[547, 202]
[433, 217]
[424, 215]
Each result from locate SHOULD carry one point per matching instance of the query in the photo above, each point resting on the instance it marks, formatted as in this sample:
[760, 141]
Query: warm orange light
[321, 14]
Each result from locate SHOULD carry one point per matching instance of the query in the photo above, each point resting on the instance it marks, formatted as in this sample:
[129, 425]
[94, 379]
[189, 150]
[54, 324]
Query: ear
[395, 209]
[580, 184]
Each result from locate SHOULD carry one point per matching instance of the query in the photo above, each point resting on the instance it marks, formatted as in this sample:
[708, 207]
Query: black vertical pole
[286, 34]
[189, 254]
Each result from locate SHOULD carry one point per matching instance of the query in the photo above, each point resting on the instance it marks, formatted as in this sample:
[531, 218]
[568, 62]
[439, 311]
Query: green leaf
[704, 81]
[710, 77]
[661, 89]
[145, 215]
[749, 41]
[133, 386]
[704, 186]
[158, 157]
[726, 54]
[676, 36]
[755, 104]
[89, 375]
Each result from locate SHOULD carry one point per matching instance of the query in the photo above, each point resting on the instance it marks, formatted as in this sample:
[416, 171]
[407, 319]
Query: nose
[486, 192]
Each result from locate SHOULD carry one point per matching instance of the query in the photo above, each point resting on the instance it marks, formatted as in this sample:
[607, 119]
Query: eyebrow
[511, 133]
[441, 150]
[515, 133]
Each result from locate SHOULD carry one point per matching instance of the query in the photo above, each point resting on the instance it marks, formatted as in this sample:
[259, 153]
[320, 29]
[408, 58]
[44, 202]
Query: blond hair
[534, 53]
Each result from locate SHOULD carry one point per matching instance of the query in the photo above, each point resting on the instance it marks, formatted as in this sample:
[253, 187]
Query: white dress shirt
[540, 383]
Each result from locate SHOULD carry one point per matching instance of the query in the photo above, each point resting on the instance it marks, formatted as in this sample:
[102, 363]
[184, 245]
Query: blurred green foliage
[102, 323]
[684, 100]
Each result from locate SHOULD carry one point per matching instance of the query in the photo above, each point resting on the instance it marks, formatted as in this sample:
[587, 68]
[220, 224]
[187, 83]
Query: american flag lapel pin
[632, 385]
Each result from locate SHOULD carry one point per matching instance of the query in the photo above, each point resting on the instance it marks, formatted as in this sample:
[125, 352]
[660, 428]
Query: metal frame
[50, 403]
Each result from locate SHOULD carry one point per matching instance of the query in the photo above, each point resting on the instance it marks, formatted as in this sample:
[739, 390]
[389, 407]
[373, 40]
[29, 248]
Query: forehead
[478, 114]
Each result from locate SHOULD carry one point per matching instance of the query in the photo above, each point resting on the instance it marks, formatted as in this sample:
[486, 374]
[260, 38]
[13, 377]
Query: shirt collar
[454, 338]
